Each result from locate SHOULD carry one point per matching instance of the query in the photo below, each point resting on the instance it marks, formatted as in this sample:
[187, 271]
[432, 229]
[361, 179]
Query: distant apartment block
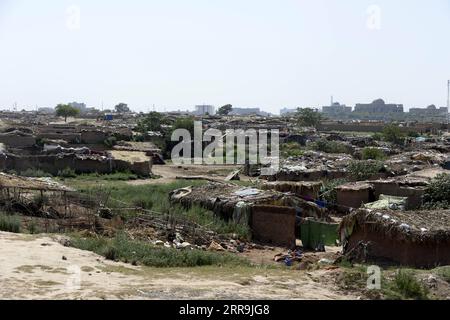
[429, 113]
[378, 107]
[248, 112]
[336, 109]
[204, 109]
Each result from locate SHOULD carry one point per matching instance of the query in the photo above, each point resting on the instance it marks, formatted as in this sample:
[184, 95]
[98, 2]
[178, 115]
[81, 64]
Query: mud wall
[17, 141]
[405, 252]
[93, 137]
[414, 195]
[354, 198]
[273, 224]
[309, 175]
[55, 163]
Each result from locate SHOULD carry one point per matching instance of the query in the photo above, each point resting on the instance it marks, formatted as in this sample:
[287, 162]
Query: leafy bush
[393, 133]
[67, 173]
[365, 169]
[32, 227]
[437, 194]
[377, 136]
[9, 223]
[413, 134]
[291, 149]
[331, 146]
[110, 142]
[406, 286]
[328, 192]
[123, 249]
[373, 154]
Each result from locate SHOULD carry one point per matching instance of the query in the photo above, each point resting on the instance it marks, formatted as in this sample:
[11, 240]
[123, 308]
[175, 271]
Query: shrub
[377, 136]
[291, 149]
[328, 192]
[32, 227]
[67, 173]
[405, 285]
[392, 133]
[373, 154]
[413, 134]
[110, 142]
[365, 169]
[437, 194]
[331, 146]
[9, 223]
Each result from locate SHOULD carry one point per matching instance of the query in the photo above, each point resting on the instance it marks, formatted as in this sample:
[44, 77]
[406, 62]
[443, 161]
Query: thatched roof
[209, 194]
[433, 225]
[224, 198]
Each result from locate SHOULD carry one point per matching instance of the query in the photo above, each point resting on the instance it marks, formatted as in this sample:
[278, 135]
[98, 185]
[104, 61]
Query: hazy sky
[250, 53]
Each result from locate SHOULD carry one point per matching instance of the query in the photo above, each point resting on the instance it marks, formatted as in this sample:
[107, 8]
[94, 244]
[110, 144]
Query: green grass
[155, 197]
[123, 249]
[35, 173]
[326, 146]
[373, 154]
[444, 273]
[291, 149]
[116, 176]
[9, 223]
[364, 169]
[404, 286]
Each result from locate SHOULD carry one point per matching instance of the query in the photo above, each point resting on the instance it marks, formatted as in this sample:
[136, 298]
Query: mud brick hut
[271, 215]
[418, 239]
[354, 194]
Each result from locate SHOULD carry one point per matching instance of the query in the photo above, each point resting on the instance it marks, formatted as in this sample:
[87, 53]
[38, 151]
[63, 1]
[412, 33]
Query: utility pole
[448, 101]
[448, 94]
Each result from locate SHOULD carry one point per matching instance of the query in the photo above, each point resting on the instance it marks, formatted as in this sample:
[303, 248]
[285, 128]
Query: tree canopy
[308, 117]
[64, 110]
[224, 110]
[152, 122]
[122, 108]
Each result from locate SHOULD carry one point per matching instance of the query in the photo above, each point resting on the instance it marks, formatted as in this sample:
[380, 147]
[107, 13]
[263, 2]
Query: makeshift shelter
[270, 214]
[419, 239]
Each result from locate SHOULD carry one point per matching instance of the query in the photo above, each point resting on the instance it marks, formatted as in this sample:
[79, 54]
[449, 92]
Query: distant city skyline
[263, 54]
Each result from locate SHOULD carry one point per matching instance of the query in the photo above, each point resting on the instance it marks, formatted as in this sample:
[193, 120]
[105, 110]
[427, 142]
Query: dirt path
[34, 267]
[169, 172]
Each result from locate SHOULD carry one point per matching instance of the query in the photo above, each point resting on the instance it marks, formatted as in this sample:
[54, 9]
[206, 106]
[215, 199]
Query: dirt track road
[33, 267]
[168, 173]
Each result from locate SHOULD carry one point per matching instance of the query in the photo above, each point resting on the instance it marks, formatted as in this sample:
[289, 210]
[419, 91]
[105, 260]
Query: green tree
[122, 108]
[184, 123]
[308, 117]
[226, 109]
[64, 110]
[152, 122]
[393, 133]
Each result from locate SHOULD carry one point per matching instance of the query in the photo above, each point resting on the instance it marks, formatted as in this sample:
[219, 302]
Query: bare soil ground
[168, 173]
[39, 267]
